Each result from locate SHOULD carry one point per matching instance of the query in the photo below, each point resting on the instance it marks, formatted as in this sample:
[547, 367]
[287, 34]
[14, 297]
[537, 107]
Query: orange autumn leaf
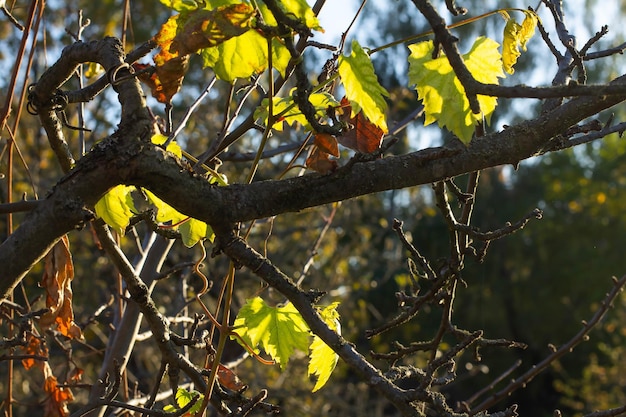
[34, 348]
[320, 161]
[57, 281]
[327, 143]
[55, 404]
[363, 135]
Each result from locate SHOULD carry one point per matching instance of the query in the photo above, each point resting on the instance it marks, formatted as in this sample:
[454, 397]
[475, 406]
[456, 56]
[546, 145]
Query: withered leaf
[57, 281]
[364, 136]
[320, 161]
[327, 143]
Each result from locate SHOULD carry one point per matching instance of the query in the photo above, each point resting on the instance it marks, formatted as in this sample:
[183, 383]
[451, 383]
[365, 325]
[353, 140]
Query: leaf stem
[452, 26]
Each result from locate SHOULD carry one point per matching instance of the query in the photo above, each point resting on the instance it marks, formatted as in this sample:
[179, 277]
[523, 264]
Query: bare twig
[582, 335]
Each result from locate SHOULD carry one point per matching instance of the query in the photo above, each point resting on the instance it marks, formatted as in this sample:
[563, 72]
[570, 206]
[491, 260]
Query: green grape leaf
[277, 330]
[184, 397]
[323, 358]
[116, 207]
[194, 231]
[441, 91]
[362, 87]
[289, 111]
[244, 56]
[298, 9]
[515, 36]
[181, 5]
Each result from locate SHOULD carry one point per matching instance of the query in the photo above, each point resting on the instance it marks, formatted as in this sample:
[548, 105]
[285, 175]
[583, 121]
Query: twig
[566, 348]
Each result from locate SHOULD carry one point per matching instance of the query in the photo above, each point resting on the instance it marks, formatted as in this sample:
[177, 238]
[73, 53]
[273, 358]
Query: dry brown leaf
[320, 161]
[229, 379]
[327, 143]
[57, 281]
[364, 136]
[55, 404]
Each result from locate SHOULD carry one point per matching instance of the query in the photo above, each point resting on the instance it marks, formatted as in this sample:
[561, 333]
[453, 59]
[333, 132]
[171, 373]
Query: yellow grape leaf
[516, 35]
[441, 91]
[289, 111]
[116, 207]
[172, 147]
[244, 56]
[191, 230]
[323, 358]
[277, 330]
[362, 87]
[57, 281]
[298, 9]
[181, 5]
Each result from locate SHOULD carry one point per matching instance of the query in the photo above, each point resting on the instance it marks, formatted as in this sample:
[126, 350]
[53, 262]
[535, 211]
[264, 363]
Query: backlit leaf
[57, 282]
[515, 36]
[229, 379]
[188, 33]
[181, 5]
[35, 347]
[289, 111]
[323, 358]
[319, 161]
[362, 87]
[363, 135]
[184, 397]
[172, 147]
[116, 207]
[207, 28]
[192, 231]
[244, 56]
[298, 9]
[57, 398]
[327, 143]
[277, 330]
[442, 93]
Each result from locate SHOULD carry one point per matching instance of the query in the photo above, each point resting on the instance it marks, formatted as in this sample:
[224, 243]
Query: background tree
[134, 329]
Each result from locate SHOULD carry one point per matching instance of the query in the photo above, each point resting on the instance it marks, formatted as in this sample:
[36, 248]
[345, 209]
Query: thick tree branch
[136, 162]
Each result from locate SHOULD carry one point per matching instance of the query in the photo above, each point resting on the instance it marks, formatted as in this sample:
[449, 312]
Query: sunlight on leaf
[277, 330]
[191, 230]
[298, 9]
[116, 207]
[58, 398]
[290, 113]
[35, 347]
[327, 143]
[323, 358]
[363, 135]
[181, 5]
[319, 161]
[441, 91]
[362, 87]
[184, 397]
[244, 56]
[172, 147]
[188, 33]
[516, 36]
